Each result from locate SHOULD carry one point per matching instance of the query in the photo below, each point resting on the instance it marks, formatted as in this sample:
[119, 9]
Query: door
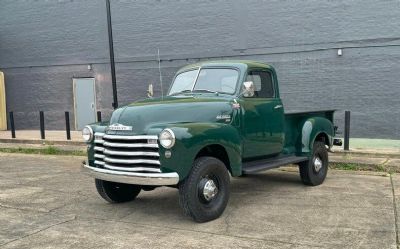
[3, 114]
[262, 118]
[84, 102]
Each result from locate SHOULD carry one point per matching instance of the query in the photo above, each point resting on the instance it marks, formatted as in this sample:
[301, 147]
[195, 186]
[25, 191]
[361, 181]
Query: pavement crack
[38, 231]
[23, 209]
[244, 237]
[396, 227]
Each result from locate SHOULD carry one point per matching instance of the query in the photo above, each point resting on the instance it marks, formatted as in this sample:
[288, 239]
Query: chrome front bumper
[153, 179]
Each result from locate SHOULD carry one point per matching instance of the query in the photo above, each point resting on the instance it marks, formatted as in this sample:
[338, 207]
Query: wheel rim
[317, 164]
[208, 189]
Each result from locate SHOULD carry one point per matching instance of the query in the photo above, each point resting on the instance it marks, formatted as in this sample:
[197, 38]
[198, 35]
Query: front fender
[96, 127]
[311, 128]
[192, 137]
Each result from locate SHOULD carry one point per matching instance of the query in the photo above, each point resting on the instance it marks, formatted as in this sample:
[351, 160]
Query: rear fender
[311, 129]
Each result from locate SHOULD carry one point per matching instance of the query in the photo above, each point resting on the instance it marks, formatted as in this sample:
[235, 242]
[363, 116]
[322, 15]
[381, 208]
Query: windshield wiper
[204, 90]
[183, 91]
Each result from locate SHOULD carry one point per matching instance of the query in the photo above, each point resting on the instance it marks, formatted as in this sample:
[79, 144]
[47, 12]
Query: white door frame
[73, 95]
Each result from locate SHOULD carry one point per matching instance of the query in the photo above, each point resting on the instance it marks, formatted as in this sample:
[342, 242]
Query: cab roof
[241, 64]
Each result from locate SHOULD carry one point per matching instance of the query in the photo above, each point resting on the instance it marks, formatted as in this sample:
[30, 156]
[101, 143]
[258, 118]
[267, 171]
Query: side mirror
[150, 92]
[248, 89]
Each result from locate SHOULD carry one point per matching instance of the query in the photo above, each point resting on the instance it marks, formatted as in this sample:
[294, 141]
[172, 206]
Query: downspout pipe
[112, 61]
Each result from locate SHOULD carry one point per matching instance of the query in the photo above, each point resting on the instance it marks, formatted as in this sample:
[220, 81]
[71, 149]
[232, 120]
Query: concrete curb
[46, 142]
[367, 153]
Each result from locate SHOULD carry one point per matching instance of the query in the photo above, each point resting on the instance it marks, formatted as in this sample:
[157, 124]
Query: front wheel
[204, 194]
[313, 172]
[115, 192]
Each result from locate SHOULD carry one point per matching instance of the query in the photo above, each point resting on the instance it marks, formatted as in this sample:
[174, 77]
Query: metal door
[263, 117]
[84, 102]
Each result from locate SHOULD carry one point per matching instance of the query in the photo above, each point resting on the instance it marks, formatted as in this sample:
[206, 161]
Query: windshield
[221, 80]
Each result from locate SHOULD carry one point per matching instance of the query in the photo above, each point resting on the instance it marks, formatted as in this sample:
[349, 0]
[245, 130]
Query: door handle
[92, 105]
[278, 106]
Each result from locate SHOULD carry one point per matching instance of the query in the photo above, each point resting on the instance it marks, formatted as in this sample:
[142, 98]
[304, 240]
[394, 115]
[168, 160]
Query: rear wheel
[204, 194]
[313, 172]
[115, 192]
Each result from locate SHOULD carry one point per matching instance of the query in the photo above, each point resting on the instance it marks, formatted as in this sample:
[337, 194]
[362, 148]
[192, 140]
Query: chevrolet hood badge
[119, 127]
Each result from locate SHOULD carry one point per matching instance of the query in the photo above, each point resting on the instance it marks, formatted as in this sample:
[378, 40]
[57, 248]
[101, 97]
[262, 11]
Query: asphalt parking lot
[45, 202]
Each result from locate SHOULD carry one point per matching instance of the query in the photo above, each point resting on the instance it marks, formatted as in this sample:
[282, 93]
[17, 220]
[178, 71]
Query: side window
[262, 82]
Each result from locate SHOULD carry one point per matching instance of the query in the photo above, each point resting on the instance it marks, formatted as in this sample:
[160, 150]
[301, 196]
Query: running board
[261, 165]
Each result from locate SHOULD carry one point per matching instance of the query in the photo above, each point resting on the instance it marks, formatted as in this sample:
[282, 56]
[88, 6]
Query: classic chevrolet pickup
[220, 119]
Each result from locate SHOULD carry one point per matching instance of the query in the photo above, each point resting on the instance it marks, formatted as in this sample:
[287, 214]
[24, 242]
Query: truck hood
[159, 113]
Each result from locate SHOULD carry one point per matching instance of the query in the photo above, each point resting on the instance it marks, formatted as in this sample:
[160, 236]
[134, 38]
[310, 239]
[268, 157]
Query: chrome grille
[127, 153]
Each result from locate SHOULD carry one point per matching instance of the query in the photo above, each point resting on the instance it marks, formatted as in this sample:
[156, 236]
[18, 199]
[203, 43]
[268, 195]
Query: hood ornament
[119, 127]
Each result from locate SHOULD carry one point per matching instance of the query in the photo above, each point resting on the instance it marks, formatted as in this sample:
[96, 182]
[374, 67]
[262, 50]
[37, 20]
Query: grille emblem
[119, 127]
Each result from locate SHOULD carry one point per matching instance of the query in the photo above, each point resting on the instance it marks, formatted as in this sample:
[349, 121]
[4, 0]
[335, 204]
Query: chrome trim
[130, 153]
[98, 141]
[153, 179]
[100, 134]
[99, 162]
[99, 156]
[137, 169]
[97, 148]
[127, 145]
[131, 161]
[130, 137]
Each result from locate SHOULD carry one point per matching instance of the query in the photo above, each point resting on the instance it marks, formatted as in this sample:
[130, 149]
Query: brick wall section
[44, 44]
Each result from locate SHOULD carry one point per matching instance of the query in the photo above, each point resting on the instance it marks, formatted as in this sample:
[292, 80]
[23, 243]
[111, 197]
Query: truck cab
[220, 119]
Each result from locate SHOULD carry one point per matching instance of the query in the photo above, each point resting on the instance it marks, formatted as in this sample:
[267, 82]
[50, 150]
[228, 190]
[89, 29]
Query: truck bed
[293, 127]
[324, 113]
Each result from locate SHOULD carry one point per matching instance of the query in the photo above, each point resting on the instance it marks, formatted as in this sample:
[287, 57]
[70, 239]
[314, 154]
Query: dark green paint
[254, 130]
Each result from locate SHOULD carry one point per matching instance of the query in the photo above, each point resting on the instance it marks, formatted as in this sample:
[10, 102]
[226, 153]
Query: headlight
[167, 138]
[87, 134]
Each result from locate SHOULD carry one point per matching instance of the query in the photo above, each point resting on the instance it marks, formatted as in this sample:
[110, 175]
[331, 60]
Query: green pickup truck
[219, 119]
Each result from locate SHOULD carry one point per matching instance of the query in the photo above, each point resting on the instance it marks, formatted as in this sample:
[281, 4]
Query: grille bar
[99, 162]
[127, 153]
[131, 161]
[130, 153]
[97, 148]
[140, 137]
[129, 145]
[99, 156]
[132, 169]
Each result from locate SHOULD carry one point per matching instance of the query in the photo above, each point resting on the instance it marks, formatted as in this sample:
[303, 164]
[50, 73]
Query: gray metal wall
[44, 44]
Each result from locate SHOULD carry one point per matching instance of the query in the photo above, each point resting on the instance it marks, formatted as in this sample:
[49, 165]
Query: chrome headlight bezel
[167, 138]
[87, 134]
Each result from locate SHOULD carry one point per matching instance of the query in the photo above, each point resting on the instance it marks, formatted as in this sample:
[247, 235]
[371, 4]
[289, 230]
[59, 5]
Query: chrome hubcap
[317, 164]
[210, 190]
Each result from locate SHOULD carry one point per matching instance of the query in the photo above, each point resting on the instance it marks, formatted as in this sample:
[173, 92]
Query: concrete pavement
[45, 202]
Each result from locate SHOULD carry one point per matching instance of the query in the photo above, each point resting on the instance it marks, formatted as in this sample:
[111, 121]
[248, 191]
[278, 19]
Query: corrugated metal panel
[3, 112]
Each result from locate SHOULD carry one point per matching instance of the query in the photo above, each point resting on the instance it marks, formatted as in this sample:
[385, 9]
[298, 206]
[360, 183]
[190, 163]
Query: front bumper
[152, 179]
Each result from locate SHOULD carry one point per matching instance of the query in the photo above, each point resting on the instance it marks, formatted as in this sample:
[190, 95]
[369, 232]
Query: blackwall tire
[313, 172]
[114, 192]
[204, 194]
